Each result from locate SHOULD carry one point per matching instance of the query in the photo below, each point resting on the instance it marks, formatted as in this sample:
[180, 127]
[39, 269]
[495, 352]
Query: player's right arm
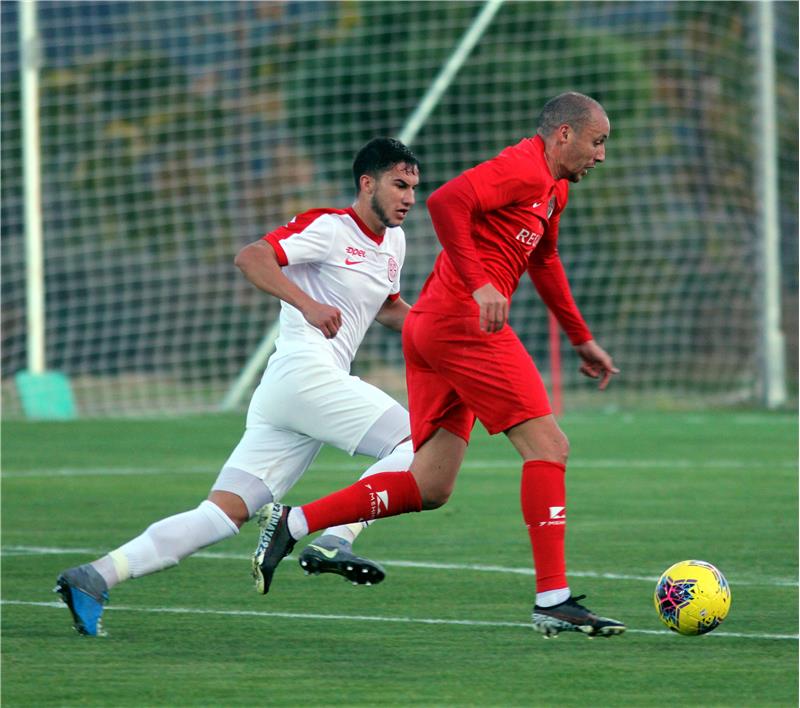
[451, 208]
[259, 264]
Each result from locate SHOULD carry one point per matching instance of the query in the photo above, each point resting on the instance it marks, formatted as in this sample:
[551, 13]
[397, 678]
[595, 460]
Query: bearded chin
[380, 213]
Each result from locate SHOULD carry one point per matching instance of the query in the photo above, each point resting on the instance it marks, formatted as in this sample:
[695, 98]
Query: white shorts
[300, 404]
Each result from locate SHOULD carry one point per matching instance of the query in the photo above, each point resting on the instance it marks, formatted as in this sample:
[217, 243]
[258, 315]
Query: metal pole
[255, 364]
[407, 134]
[772, 345]
[34, 257]
[448, 72]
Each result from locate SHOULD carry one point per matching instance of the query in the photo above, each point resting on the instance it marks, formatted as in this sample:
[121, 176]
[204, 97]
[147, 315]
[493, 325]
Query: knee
[435, 496]
[554, 449]
[231, 505]
[562, 449]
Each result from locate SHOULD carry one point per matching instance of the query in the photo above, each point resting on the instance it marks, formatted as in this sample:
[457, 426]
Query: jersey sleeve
[307, 238]
[451, 208]
[548, 275]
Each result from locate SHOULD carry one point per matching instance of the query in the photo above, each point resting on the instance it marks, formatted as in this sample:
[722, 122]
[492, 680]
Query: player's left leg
[345, 412]
[384, 494]
[544, 449]
[332, 552]
[513, 399]
[442, 430]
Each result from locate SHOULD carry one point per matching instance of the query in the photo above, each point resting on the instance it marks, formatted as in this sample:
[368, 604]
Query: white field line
[357, 466]
[425, 565]
[372, 618]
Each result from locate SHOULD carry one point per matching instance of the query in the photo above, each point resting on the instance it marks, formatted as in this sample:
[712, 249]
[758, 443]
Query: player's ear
[367, 183]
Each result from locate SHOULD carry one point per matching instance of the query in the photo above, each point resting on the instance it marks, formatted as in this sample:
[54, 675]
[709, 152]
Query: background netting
[175, 132]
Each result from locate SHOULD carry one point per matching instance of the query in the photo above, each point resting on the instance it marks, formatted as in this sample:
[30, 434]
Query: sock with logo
[382, 494]
[398, 459]
[543, 496]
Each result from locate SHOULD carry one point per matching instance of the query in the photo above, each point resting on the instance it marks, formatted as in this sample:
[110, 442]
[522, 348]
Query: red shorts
[455, 373]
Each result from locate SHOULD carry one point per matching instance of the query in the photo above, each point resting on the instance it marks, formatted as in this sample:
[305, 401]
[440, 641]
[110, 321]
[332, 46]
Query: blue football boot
[85, 592]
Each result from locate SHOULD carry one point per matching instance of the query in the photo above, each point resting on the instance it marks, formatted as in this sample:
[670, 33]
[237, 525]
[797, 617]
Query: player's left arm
[596, 363]
[393, 313]
[548, 275]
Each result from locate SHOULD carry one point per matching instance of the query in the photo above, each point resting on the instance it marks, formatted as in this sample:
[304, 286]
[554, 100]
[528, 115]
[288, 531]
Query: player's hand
[325, 318]
[596, 363]
[493, 308]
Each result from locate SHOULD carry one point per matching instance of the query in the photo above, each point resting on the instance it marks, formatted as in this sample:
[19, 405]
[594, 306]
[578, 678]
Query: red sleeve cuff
[273, 241]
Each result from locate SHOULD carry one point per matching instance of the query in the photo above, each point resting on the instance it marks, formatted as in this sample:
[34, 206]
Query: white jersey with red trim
[334, 257]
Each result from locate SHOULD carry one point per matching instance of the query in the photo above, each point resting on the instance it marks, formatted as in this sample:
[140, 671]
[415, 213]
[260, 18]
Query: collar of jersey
[361, 225]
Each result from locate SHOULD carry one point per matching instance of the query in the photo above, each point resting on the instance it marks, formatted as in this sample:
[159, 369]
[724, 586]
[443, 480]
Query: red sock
[543, 495]
[381, 494]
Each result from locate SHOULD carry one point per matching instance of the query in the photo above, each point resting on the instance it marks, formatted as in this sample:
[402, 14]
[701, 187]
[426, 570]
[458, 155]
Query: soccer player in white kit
[335, 271]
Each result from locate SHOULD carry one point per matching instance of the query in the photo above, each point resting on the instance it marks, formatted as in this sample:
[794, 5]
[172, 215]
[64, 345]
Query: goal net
[172, 133]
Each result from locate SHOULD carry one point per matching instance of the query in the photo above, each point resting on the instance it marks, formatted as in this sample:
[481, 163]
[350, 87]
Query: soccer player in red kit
[463, 360]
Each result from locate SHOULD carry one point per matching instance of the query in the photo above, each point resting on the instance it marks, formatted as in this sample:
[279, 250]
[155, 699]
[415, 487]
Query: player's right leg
[276, 458]
[263, 457]
[85, 588]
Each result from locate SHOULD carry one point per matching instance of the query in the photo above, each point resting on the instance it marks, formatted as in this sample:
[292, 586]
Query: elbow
[244, 257]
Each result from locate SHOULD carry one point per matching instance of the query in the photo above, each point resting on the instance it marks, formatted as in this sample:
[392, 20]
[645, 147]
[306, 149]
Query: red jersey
[495, 221]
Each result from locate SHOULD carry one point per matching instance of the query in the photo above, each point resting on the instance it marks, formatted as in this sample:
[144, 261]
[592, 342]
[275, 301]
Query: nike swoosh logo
[328, 553]
[347, 261]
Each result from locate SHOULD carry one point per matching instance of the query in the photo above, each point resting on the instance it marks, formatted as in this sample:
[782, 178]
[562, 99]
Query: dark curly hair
[380, 155]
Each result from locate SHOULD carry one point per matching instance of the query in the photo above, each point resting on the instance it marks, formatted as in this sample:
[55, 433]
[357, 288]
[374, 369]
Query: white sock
[397, 460]
[297, 524]
[550, 598]
[108, 568]
[166, 542]
[342, 536]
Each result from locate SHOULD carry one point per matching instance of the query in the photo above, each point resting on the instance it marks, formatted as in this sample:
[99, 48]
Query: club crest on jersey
[393, 268]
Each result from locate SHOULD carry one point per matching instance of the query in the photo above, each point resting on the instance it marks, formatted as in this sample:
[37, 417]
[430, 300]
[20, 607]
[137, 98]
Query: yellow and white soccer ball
[692, 597]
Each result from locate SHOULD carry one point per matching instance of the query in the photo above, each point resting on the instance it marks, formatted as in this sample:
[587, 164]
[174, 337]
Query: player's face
[393, 194]
[584, 149]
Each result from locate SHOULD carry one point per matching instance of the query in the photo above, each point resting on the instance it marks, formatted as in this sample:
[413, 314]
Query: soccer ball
[692, 597]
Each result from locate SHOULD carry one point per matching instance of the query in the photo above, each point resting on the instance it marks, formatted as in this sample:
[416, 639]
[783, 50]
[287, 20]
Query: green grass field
[449, 626]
